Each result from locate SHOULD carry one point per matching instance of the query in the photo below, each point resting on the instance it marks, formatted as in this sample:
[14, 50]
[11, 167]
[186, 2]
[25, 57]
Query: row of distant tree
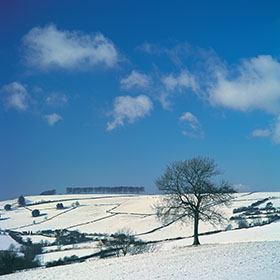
[49, 192]
[119, 189]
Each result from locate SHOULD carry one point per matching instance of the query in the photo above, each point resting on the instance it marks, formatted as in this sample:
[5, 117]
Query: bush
[269, 206]
[65, 237]
[242, 223]
[257, 203]
[59, 206]
[35, 213]
[240, 209]
[257, 222]
[228, 227]
[8, 207]
[11, 262]
[16, 236]
[122, 243]
[31, 250]
[21, 201]
[272, 218]
[65, 260]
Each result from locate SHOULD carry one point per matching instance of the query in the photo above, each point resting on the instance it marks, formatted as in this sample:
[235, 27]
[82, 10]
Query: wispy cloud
[276, 131]
[172, 83]
[130, 109]
[17, 96]
[56, 99]
[135, 79]
[194, 127]
[47, 47]
[52, 119]
[261, 133]
[183, 80]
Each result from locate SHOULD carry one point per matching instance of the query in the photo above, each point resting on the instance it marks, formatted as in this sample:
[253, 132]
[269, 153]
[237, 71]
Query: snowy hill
[228, 247]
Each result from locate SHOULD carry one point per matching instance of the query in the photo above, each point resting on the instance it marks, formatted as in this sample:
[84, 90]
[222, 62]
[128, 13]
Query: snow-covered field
[6, 241]
[251, 253]
[244, 261]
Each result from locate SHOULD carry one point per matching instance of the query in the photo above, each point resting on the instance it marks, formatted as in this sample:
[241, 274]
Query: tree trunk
[195, 235]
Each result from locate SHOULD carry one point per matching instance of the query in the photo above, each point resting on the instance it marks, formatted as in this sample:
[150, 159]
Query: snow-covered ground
[246, 261]
[109, 213]
[224, 255]
[6, 241]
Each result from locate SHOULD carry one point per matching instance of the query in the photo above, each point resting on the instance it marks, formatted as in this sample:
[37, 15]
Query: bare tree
[191, 193]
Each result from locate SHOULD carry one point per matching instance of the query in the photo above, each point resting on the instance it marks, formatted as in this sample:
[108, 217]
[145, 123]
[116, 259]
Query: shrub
[257, 203]
[30, 250]
[65, 237]
[8, 207]
[228, 227]
[122, 243]
[141, 247]
[75, 204]
[269, 206]
[242, 223]
[257, 222]
[59, 206]
[11, 262]
[238, 217]
[240, 209]
[65, 260]
[21, 201]
[16, 236]
[272, 218]
[35, 213]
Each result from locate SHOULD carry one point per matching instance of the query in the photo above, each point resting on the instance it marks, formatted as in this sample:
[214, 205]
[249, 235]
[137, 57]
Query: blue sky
[110, 92]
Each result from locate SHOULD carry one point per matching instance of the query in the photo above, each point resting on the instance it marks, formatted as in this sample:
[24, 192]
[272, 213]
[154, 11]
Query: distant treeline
[120, 189]
[50, 192]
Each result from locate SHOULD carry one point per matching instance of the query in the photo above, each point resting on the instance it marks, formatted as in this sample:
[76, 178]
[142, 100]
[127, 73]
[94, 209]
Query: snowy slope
[6, 241]
[246, 261]
[110, 213]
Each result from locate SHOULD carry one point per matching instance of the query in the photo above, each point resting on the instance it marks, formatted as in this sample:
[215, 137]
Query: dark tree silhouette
[35, 213]
[59, 206]
[192, 194]
[8, 207]
[21, 201]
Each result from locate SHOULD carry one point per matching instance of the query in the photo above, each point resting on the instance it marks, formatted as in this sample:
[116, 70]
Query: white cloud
[17, 96]
[172, 83]
[135, 79]
[276, 132]
[48, 46]
[57, 99]
[52, 119]
[255, 85]
[261, 133]
[149, 48]
[191, 119]
[130, 109]
[179, 82]
[195, 129]
[164, 99]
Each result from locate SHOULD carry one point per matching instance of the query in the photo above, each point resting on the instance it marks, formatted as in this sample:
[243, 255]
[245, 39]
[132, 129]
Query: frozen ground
[246, 261]
[6, 241]
[109, 213]
[233, 254]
